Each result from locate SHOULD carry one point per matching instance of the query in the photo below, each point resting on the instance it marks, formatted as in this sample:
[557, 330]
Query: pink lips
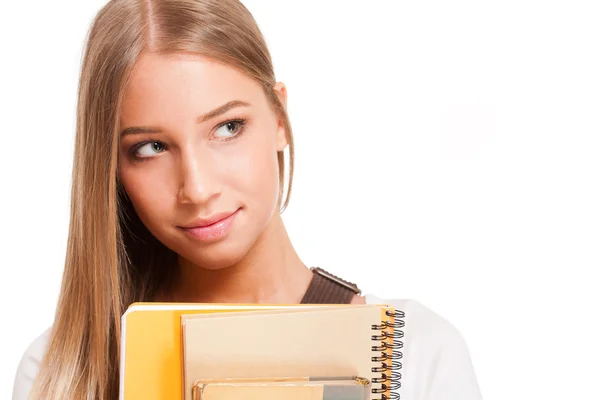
[213, 231]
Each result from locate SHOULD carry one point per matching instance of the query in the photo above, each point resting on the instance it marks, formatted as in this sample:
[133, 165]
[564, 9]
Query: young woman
[178, 187]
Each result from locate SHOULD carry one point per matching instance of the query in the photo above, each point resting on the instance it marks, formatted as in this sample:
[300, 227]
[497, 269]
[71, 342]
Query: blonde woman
[178, 187]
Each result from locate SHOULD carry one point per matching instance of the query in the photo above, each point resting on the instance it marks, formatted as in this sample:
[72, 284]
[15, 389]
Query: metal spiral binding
[389, 357]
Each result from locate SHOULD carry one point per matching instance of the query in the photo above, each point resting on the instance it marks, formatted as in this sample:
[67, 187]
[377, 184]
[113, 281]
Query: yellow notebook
[150, 364]
[152, 367]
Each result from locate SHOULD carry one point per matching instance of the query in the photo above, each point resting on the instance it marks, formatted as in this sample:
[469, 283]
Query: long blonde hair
[112, 260]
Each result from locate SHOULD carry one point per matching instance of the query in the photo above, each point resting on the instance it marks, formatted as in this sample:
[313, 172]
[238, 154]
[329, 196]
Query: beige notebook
[325, 342]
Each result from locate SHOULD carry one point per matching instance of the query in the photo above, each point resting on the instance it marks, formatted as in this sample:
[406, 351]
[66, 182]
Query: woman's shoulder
[29, 366]
[436, 361]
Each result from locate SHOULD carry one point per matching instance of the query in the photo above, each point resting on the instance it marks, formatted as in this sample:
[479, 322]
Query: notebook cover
[318, 342]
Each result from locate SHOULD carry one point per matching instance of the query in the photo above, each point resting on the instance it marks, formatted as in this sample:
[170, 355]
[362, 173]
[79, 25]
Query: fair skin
[193, 168]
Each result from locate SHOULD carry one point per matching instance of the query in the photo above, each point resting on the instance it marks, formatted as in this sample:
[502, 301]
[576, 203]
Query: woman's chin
[215, 257]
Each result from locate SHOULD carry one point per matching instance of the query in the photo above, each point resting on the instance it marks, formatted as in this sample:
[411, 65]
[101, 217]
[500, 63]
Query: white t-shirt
[436, 364]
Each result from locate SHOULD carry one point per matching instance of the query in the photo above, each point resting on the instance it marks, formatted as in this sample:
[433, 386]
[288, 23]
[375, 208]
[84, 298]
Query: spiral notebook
[158, 350]
[326, 342]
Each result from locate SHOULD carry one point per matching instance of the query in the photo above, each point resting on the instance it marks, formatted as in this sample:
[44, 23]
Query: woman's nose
[199, 182]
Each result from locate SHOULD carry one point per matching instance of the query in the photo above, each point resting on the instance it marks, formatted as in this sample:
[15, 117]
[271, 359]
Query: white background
[447, 151]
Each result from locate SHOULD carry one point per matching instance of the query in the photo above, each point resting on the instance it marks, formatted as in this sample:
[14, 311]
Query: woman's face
[199, 142]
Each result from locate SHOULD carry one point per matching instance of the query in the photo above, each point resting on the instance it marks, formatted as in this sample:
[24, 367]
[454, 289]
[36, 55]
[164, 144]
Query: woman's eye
[230, 129]
[227, 131]
[149, 149]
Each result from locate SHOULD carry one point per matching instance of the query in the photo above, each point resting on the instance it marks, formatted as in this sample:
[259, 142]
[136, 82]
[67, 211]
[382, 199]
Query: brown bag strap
[326, 288]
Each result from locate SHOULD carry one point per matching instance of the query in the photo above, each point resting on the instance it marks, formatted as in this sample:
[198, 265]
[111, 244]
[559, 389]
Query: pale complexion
[192, 167]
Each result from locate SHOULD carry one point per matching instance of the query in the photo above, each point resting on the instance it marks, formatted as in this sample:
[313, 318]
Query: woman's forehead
[182, 82]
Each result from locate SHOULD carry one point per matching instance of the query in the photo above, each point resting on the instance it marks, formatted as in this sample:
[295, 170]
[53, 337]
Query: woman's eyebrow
[202, 118]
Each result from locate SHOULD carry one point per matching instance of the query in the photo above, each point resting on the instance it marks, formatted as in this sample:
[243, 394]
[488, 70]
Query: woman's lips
[214, 231]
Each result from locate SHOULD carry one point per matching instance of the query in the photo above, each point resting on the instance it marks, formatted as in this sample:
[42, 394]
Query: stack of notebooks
[173, 351]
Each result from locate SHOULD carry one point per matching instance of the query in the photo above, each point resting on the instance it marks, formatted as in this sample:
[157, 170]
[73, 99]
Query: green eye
[149, 149]
[230, 129]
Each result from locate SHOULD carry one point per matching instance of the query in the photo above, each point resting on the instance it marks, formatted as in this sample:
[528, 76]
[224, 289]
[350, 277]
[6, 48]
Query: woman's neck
[271, 272]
